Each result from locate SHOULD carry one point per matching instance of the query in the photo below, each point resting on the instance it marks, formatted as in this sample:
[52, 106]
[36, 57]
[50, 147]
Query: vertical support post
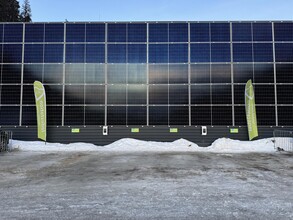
[84, 75]
[106, 70]
[63, 77]
[126, 70]
[211, 89]
[189, 78]
[275, 76]
[22, 70]
[147, 66]
[232, 75]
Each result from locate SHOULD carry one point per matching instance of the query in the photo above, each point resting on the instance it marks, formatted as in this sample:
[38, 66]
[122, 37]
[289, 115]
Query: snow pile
[228, 145]
[42, 146]
[222, 145]
[129, 144]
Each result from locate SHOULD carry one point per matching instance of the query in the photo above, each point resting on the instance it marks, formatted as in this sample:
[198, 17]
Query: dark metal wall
[91, 134]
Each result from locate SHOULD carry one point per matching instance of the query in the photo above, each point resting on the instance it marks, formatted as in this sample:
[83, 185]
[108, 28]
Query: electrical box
[105, 130]
[204, 130]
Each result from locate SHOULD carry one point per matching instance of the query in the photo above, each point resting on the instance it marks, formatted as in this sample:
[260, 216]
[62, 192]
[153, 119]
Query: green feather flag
[250, 111]
[40, 97]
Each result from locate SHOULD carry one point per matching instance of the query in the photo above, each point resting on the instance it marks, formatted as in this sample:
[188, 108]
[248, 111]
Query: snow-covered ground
[153, 180]
[107, 183]
[224, 145]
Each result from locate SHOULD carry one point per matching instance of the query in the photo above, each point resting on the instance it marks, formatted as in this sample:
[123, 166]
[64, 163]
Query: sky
[160, 10]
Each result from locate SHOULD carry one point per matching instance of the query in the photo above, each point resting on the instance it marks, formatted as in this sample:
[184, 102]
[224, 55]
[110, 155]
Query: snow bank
[228, 145]
[222, 145]
[128, 144]
[42, 146]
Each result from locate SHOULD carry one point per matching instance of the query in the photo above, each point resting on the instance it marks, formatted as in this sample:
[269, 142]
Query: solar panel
[147, 73]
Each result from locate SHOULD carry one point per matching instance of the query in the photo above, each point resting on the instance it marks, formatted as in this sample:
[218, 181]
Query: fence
[283, 140]
[5, 140]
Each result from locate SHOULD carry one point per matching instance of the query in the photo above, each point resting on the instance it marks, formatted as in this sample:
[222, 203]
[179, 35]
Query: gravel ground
[143, 185]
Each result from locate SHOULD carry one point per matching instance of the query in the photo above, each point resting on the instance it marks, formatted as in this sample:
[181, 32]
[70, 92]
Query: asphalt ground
[141, 185]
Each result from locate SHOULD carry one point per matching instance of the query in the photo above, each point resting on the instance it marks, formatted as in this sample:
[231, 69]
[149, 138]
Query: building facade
[147, 80]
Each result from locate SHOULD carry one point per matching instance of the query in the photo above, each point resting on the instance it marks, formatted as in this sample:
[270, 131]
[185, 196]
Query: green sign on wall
[234, 130]
[75, 130]
[173, 130]
[135, 130]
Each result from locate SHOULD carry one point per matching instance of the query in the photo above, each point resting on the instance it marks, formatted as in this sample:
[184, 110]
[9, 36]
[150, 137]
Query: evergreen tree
[9, 11]
[26, 13]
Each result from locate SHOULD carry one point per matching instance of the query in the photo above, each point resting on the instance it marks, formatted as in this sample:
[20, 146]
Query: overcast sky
[160, 10]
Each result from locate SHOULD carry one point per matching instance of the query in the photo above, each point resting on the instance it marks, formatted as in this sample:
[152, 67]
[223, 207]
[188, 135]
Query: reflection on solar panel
[147, 73]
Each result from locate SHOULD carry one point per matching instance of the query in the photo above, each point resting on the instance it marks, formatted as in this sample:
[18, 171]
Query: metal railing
[283, 140]
[5, 140]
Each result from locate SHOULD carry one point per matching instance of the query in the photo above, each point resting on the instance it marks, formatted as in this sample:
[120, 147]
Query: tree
[26, 13]
[9, 11]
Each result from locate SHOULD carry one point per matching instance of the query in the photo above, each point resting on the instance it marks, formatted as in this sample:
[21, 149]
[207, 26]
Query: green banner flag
[40, 97]
[250, 111]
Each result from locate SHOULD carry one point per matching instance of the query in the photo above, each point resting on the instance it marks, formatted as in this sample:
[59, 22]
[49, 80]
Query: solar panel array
[148, 73]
